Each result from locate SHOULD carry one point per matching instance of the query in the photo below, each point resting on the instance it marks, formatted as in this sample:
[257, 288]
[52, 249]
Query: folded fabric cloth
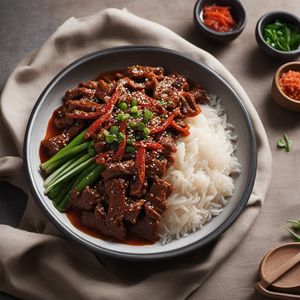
[36, 262]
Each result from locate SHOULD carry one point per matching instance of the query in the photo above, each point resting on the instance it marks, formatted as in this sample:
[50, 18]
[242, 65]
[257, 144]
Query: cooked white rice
[201, 174]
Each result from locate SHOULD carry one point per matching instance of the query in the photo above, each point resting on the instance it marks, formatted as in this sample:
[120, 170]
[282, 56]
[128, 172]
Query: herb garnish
[294, 229]
[285, 143]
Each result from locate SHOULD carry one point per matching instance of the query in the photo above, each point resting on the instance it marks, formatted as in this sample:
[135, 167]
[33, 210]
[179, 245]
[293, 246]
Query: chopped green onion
[109, 138]
[148, 114]
[131, 125]
[134, 109]
[285, 143]
[114, 146]
[120, 116]
[130, 149]
[141, 126]
[125, 117]
[146, 131]
[114, 129]
[134, 102]
[122, 106]
[120, 137]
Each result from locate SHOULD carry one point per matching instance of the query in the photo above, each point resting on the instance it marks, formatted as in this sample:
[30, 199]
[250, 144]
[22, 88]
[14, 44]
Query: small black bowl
[237, 11]
[269, 18]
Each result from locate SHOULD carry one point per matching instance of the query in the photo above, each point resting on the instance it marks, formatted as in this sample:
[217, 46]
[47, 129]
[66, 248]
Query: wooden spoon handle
[281, 270]
[283, 296]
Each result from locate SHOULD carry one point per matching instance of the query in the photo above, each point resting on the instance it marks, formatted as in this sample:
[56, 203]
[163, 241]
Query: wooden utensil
[280, 272]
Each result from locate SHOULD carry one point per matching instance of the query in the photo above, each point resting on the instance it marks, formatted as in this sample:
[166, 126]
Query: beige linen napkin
[35, 261]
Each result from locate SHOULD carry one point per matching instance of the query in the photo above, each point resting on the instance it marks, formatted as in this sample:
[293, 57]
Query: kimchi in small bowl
[221, 20]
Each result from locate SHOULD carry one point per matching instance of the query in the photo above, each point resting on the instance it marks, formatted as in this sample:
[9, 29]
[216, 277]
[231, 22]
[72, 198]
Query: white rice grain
[201, 174]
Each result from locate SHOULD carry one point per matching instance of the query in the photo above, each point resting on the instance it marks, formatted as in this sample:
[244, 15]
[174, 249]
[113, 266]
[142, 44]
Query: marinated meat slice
[164, 90]
[168, 143]
[98, 220]
[101, 146]
[143, 71]
[146, 228]
[151, 212]
[109, 229]
[83, 105]
[127, 82]
[180, 82]
[118, 169]
[106, 87]
[115, 189]
[132, 210]
[78, 93]
[55, 143]
[63, 122]
[189, 107]
[89, 84]
[158, 194]
[137, 188]
[200, 94]
[156, 167]
[87, 200]
[60, 120]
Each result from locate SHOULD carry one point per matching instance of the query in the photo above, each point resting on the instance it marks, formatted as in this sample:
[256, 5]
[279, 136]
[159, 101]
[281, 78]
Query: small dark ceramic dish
[278, 95]
[91, 66]
[269, 18]
[237, 11]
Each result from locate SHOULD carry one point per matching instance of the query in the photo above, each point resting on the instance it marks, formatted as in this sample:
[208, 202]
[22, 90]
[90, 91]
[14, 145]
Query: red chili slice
[122, 146]
[184, 131]
[141, 164]
[94, 126]
[107, 111]
[149, 145]
[156, 104]
[103, 157]
[165, 125]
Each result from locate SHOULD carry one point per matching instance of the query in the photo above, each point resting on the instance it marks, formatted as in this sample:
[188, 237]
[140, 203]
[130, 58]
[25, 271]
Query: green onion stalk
[71, 168]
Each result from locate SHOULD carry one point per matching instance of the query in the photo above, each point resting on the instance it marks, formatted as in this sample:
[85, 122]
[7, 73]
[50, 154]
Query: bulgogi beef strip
[134, 118]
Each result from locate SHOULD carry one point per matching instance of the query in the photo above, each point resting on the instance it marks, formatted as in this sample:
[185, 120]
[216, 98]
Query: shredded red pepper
[184, 131]
[289, 83]
[122, 146]
[141, 164]
[165, 125]
[107, 111]
[149, 145]
[218, 18]
[156, 104]
[94, 126]
[103, 157]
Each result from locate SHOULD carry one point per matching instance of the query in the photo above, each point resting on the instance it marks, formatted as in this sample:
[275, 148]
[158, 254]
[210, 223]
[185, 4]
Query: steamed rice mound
[201, 174]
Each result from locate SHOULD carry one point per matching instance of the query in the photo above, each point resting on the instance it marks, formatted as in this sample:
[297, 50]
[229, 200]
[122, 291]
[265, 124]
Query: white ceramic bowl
[90, 67]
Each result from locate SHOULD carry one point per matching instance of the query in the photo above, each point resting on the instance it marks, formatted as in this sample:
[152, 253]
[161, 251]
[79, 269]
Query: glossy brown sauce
[75, 214]
[74, 217]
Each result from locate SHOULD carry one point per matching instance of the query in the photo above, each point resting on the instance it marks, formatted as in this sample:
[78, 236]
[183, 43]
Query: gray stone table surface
[26, 24]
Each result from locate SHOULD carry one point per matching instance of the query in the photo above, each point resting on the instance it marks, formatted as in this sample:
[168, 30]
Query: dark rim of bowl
[278, 73]
[234, 31]
[154, 256]
[272, 15]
